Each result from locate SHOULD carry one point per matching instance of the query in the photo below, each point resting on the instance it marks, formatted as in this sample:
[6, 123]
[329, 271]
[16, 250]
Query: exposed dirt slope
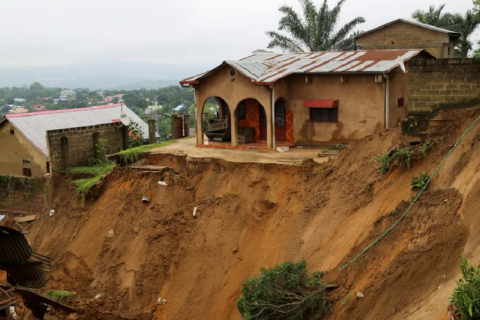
[252, 216]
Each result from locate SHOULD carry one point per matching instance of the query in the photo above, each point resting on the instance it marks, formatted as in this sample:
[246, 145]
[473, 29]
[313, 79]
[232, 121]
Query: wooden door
[280, 121]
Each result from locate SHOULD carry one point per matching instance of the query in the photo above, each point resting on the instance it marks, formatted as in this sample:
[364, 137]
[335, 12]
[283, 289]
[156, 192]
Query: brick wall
[75, 147]
[441, 84]
[402, 35]
[24, 195]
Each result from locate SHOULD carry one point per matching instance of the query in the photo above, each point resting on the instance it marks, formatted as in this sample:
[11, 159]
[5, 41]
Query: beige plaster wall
[219, 84]
[361, 108]
[16, 147]
[398, 89]
[401, 35]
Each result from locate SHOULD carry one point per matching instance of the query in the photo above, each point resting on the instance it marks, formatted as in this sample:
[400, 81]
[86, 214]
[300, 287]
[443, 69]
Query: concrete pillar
[175, 127]
[234, 128]
[151, 132]
[199, 125]
[186, 125]
[64, 148]
[95, 136]
[268, 111]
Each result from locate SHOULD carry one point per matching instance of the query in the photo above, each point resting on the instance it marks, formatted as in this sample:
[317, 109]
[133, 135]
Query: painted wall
[398, 90]
[360, 112]
[14, 148]
[403, 35]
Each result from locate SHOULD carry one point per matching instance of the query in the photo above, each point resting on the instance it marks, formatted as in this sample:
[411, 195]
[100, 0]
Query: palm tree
[315, 32]
[465, 24]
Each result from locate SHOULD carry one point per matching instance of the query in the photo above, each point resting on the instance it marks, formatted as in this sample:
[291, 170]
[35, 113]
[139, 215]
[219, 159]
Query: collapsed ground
[257, 215]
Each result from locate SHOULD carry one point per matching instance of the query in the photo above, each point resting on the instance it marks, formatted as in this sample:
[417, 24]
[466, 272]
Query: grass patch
[60, 294]
[133, 154]
[421, 181]
[425, 148]
[384, 160]
[83, 186]
[402, 157]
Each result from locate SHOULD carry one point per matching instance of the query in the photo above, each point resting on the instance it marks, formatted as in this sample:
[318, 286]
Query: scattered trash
[163, 183]
[283, 149]
[51, 213]
[98, 296]
[360, 295]
[161, 301]
[12, 313]
[110, 234]
[145, 199]
[2, 216]
[195, 212]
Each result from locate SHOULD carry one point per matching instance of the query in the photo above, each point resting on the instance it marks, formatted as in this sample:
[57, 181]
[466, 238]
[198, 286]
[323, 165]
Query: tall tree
[315, 31]
[466, 24]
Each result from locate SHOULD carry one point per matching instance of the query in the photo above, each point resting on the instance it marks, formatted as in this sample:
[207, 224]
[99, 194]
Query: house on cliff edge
[312, 98]
[37, 143]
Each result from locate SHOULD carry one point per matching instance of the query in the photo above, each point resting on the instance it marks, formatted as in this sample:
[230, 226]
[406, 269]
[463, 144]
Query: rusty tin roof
[267, 68]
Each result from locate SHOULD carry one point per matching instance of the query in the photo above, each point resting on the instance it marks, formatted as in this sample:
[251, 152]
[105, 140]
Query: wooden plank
[26, 218]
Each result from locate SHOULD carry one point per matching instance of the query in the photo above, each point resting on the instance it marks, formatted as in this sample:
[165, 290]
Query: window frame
[331, 114]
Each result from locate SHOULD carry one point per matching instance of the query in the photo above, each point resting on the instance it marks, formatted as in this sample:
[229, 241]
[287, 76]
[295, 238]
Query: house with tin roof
[37, 143]
[271, 100]
[406, 34]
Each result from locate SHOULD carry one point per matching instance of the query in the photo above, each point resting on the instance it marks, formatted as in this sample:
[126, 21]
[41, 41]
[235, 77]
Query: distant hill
[101, 75]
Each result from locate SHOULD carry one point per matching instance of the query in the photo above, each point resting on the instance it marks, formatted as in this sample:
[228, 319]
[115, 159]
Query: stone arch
[250, 113]
[283, 121]
[215, 121]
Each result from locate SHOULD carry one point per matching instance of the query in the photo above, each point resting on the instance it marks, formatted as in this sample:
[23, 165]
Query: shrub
[284, 292]
[385, 161]
[425, 148]
[133, 154]
[60, 294]
[402, 157]
[420, 181]
[467, 294]
[135, 135]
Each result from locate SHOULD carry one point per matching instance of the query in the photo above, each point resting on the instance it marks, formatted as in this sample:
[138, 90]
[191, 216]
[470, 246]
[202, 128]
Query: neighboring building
[38, 107]
[71, 133]
[18, 110]
[19, 100]
[404, 34]
[306, 98]
[68, 95]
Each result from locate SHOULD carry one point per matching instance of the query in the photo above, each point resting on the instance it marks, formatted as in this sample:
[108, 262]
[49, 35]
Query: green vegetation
[133, 154]
[135, 135]
[101, 151]
[83, 186]
[420, 181]
[284, 292]
[465, 23]
[467, 294]
[384, 160]
[402, 157]
[425, 148]
[313, 29]
[60, 294]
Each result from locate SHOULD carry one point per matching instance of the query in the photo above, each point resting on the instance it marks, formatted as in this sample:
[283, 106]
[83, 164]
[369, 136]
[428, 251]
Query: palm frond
[283, 42]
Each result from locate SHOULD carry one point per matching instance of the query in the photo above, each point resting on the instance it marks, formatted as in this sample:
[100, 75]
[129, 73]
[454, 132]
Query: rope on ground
[416, 199]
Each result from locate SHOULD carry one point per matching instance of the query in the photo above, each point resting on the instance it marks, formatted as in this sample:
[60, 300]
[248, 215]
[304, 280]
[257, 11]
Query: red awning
[320, 103]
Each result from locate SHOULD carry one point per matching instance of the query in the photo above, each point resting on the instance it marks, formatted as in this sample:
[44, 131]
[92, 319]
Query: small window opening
[401, 102]
[12, 131]
[449, 51]
[324, 114]
[48, 167]
[393, 42]
[27, 172]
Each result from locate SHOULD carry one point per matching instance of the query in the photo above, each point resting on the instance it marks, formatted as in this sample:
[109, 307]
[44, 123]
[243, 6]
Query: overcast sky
[163, 31]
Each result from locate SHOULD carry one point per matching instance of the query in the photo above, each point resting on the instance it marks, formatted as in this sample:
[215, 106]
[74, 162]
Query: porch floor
[260, 145]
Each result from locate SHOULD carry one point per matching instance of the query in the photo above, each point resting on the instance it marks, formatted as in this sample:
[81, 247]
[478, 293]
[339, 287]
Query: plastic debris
[110, 234]
[161, 301]
[51, 213]
[145, 199]
[2, 216]
[163, 183]
[360, 295]
[195, 212]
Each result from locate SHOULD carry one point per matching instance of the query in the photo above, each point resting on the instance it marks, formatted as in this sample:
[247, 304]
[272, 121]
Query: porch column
[199, 123]
[233, 128]
[269, 126]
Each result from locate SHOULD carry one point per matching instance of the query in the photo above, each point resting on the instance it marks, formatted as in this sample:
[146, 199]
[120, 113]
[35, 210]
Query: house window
[324, 114]
[27, 172]
[401, 102]
[26, 161]
[12, 131]
[242, 111]
[48, 167]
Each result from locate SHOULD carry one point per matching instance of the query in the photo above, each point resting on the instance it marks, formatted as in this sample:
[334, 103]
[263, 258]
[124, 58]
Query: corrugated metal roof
[34, 125]
[17, 258]
[416, 23]
[266, 68]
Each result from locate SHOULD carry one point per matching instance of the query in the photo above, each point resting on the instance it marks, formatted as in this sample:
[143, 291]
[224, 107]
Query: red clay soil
[257, 215]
